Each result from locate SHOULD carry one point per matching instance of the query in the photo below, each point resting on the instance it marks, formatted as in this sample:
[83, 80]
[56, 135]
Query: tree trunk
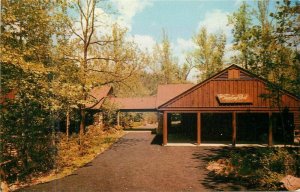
[67, 123]
[82, 126]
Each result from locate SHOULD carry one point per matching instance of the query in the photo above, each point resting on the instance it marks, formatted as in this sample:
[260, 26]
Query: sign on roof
[234, 98]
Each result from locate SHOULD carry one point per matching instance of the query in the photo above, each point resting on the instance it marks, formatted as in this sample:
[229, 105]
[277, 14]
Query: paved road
[138, 163]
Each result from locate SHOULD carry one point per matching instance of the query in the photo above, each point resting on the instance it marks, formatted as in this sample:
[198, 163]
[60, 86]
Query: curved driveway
[138, 163]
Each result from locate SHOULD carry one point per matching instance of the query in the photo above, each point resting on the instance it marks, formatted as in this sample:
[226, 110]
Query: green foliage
[209, 52]
[268, 47]
[26, 139]
[131, 119]
[242, 22]
[109, 111]
[165, 66]
[261, 168]
[27, 120]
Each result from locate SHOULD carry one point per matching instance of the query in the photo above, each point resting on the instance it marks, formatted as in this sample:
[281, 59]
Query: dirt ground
[137, 162]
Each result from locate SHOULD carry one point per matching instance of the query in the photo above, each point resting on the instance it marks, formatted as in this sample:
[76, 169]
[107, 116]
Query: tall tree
[286, 67]
[27, 28]
[265, 47]
[164, 63]
[272, 47]
[167, 62]
[209, 52]
[92, 42]
[242, 23]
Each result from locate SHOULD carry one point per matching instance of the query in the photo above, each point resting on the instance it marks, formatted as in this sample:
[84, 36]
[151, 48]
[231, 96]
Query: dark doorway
[216, 127]
[283, 128]
[182, 127]
[252, 128]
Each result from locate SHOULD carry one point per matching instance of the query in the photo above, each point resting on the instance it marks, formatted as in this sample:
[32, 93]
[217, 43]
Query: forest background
[53, 53]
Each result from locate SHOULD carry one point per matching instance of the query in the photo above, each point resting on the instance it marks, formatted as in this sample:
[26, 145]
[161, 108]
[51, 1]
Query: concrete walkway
[138, 163]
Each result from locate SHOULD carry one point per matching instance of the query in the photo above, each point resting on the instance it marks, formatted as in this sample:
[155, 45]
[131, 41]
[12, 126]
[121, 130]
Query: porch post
[118, 118]
[198, 128]
[165, 128]
[270, 134]
[233, 129]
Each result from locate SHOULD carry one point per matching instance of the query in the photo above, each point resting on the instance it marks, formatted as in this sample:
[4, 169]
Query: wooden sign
[234, 98]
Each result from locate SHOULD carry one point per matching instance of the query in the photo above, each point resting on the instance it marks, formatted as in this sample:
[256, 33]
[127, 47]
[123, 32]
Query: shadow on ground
[157, 140]
[212, 181]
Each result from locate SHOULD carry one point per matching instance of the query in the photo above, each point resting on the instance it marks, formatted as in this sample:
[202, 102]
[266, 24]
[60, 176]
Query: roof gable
[218, 81]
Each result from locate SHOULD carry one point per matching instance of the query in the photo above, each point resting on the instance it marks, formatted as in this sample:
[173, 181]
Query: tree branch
[101, 58]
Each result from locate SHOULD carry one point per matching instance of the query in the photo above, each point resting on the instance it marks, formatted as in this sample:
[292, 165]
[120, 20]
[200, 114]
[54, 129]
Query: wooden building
[230, 108]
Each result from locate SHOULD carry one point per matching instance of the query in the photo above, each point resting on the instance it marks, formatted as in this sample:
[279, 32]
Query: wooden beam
[233, 129]
[270, 134]
[165, 128]
[118, 118]
[198, 128]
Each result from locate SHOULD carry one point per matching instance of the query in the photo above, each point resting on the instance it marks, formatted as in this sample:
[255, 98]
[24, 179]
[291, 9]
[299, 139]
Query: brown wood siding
[244, 76]
[233, 74]
[297, 126]
[205, 95]
[222, 76]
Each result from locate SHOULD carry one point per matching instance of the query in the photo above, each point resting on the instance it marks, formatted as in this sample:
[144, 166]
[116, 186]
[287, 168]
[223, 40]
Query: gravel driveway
[138, 163]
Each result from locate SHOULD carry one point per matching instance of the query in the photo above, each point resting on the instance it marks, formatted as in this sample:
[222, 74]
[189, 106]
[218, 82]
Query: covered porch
[226, 128]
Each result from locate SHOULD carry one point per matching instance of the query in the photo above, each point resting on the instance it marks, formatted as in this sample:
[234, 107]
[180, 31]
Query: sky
[180, 19]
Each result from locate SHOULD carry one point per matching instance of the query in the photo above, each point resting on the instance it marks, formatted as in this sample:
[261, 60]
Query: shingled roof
[99, 93]
[134, 103]
[169, 91]
[164, 94]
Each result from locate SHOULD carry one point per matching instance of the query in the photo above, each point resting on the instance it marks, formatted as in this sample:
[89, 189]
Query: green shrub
[267, 166]
[26, 140]
[261, 168]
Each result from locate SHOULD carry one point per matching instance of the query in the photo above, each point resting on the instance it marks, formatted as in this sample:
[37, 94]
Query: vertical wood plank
[198, 103]
[217, 92]
[238, 74]
[208, 93]
[253, 93]
[212, 95]
[245, 86]
[225, 86]
[270, 134]
[205, 95]
[233, 129]
[235, 87]
[198, 128]
[231, 74]
[165, 128]
[260, 99]
[255, 88]
[263, 101]
[202, 93]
